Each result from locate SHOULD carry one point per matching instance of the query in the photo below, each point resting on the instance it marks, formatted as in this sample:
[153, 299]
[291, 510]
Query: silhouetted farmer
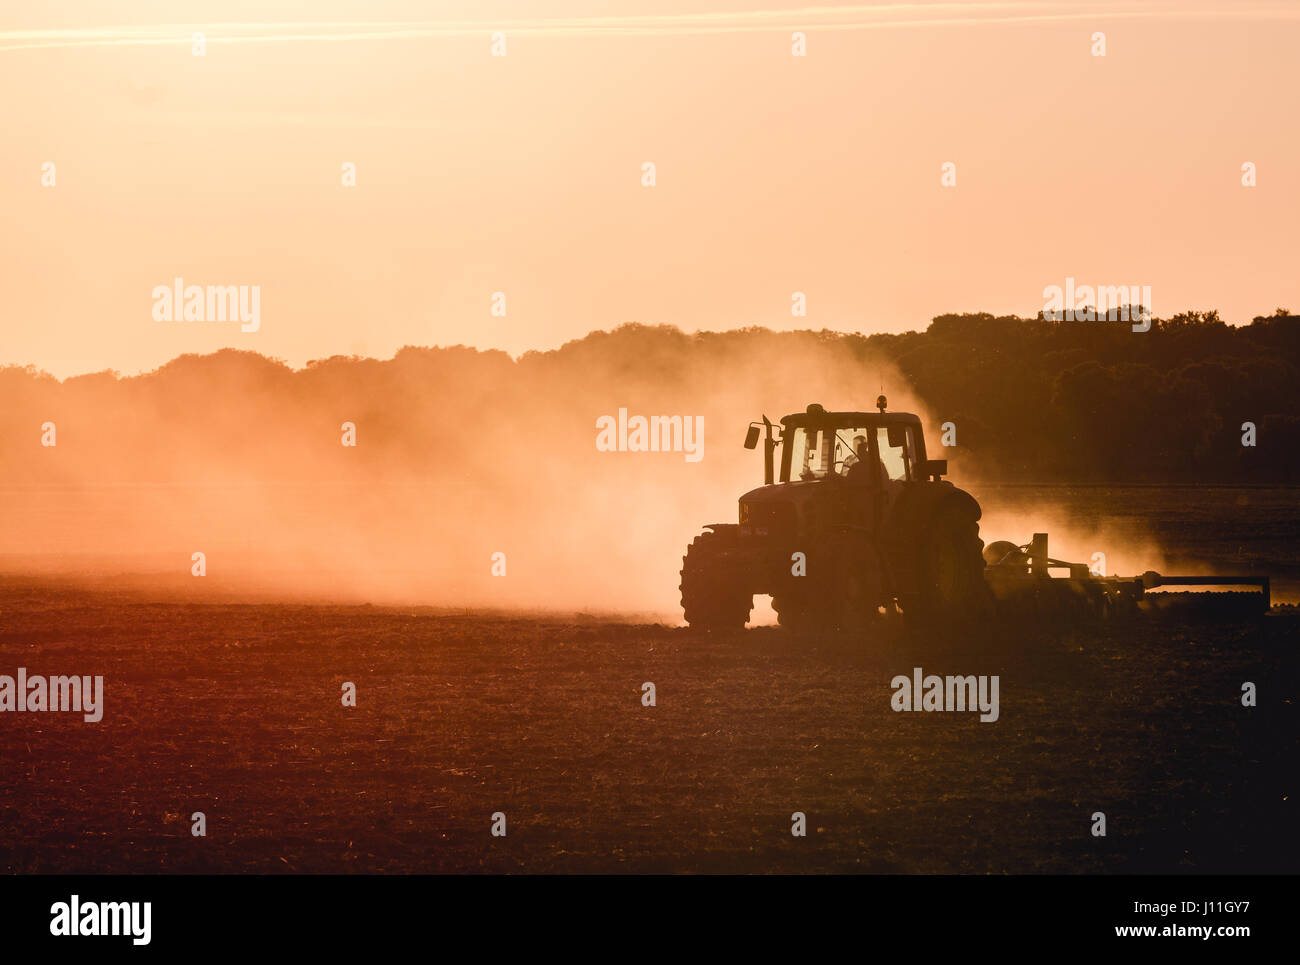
[868, 470]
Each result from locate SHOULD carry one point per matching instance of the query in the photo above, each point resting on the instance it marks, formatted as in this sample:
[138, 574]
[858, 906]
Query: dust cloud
[460, 455]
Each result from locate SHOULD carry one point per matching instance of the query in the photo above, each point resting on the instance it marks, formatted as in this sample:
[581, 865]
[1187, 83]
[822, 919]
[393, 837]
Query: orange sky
[522, 173]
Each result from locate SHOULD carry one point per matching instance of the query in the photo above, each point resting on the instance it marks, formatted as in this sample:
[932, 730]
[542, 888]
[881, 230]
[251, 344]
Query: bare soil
[235, 711]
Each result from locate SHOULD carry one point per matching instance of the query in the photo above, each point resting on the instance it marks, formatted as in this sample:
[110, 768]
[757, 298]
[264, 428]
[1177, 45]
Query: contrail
[827, 19]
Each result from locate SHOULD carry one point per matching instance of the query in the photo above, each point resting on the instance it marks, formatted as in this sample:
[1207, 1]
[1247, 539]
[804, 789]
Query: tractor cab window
[819, 452]
[896, 454]
[810, 453]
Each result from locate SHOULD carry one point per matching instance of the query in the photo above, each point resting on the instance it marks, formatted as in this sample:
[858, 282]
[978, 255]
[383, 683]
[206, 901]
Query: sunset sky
[522, 173]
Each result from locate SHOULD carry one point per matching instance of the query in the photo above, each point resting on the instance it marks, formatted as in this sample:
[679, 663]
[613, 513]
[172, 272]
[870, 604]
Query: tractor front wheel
[712, 597]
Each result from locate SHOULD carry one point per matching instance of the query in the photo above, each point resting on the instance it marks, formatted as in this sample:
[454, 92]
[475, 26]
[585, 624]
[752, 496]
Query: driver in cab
[866, 469]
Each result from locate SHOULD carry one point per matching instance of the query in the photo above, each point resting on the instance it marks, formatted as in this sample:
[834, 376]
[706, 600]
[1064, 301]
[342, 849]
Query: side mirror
[933, 467]
[897, 436]
[751, 438]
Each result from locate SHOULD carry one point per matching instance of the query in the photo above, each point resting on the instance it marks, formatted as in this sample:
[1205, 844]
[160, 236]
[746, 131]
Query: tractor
[853, 525]
[856, 524]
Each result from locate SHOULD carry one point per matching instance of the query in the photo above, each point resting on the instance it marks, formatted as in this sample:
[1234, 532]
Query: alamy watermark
[209, 303]
[1086, 303]
[658, 433]
[82, 695]
[74, 917]
[953, 693]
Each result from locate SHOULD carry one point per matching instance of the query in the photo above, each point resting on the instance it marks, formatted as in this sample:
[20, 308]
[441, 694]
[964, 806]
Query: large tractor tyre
[859, 605]
[712, 599]
[950, 589]
[857, 583]
[845, 598]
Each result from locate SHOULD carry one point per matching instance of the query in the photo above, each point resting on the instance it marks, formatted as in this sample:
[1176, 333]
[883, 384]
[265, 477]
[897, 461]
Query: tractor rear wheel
[712, 598]
[950, 587]
[843, 592]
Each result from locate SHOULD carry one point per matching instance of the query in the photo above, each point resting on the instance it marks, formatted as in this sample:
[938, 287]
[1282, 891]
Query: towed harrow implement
[1023, 584]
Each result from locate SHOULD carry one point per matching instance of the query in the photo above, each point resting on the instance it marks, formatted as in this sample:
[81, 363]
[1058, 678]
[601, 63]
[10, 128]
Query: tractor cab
[868, 447]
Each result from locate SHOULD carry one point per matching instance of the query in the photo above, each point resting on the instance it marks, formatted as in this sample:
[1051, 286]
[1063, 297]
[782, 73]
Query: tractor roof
[815, 414]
